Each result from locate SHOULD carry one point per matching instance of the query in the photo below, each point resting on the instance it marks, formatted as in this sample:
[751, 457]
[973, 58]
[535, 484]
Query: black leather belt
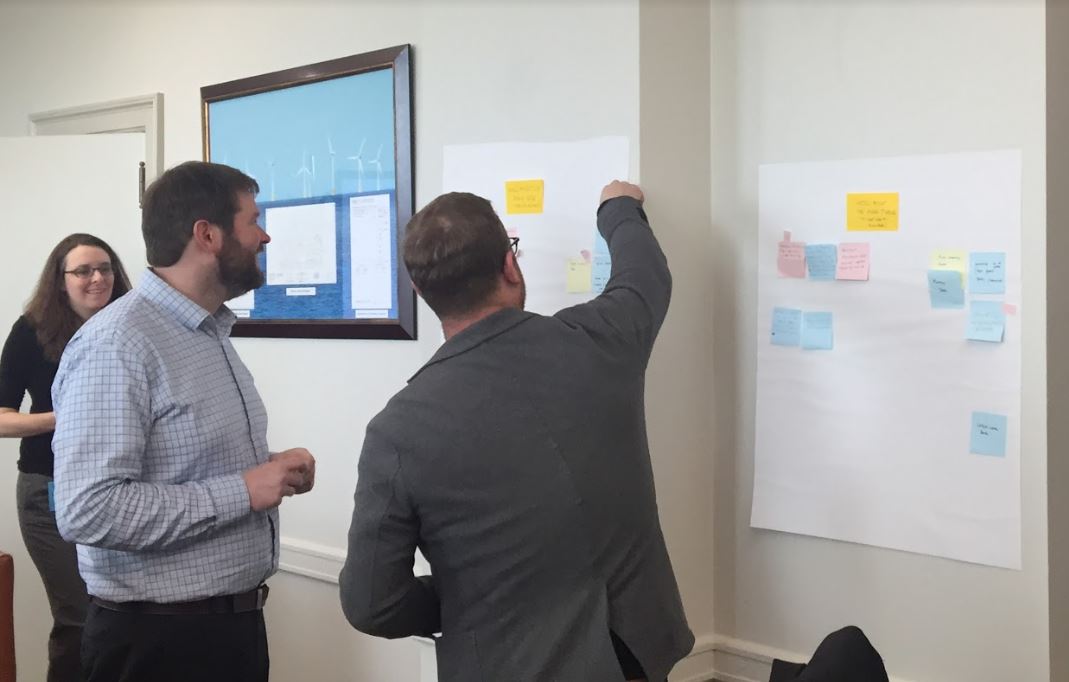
[253, 600]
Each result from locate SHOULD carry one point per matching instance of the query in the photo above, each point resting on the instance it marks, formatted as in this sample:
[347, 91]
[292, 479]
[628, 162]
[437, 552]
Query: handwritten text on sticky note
[853, 262]
[578, 273]
[987, 273]
[816, 331]
[524, 196]
[987, 321]
[820, 261]
[786, 326]
[872, 212]
[944, 289]
[988, 434]
[945, 259]
[790, 260]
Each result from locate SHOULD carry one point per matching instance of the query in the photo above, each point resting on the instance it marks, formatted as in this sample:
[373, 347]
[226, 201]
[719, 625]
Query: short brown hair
[49, 310]
[454, 250]
[192, 191]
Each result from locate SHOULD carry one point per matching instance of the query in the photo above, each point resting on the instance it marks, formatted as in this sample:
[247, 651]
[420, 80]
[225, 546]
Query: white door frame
[132, 114]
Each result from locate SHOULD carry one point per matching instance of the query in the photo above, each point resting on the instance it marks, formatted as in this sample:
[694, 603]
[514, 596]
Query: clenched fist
[619, 188]
[286, 473]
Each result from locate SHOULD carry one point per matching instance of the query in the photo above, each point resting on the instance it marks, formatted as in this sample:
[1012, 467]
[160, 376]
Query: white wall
[794, 81]
[484, 71]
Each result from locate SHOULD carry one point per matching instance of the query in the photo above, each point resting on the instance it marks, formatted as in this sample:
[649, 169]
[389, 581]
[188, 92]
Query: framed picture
[330, 146]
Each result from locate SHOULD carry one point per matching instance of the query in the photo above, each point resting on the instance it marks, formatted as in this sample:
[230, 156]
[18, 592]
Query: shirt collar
[185, 311]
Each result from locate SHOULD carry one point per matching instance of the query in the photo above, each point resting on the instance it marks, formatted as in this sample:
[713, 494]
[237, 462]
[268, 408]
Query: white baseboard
[726, 659]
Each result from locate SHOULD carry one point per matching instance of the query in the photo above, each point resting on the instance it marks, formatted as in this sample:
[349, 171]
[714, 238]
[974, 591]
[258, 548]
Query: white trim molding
[737, 660]
[310, 559]
[129, 115]
[322, 562]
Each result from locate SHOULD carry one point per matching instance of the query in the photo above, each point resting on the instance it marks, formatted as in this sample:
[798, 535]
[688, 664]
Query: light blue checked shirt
[156, 419]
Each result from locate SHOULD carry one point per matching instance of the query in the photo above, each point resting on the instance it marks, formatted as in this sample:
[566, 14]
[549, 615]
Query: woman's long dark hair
[49, 309]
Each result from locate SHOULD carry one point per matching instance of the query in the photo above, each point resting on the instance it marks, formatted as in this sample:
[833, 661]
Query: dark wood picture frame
[402, 324]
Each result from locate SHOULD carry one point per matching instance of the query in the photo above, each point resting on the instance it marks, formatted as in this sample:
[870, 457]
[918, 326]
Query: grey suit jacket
[516, 459]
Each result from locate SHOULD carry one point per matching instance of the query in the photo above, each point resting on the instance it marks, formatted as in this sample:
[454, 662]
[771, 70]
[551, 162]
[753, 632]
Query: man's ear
[511, 269]
[207, 236]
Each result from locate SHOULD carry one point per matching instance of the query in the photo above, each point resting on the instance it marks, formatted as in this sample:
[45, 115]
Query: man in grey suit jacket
[516, 459]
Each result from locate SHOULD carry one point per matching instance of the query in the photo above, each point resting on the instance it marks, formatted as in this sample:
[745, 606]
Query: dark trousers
[139, 647]
[56, 561]
[844, 656]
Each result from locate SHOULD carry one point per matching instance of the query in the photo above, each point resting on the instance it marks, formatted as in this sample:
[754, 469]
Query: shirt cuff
[230, 497]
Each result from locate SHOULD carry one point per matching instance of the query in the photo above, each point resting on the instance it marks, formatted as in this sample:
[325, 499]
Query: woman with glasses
[81, 276]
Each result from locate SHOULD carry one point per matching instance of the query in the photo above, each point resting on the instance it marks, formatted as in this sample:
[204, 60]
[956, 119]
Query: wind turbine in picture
[271, 174]
[333, 174]
[378, 168]
[303, 173]
[359, 158]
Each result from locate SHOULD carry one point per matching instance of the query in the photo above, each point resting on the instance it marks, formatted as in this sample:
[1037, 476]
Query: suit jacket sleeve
[379, 593]
[629, 313]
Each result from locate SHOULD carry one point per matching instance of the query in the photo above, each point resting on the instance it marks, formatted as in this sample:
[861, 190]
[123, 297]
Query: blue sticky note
[988, 435]
[944, 289]
[51, 496]
[816, 331]
[820, 260]
[601, 247]
[987, 272]
[601, 264]
[987, 321]
[786, 326]
[599, 272]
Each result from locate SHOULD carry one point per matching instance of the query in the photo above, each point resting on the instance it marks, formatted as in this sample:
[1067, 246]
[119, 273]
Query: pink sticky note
[853, 262]
[791, 259]
[786, 235]
[585, 254]
[1009, 308]
[512, 232]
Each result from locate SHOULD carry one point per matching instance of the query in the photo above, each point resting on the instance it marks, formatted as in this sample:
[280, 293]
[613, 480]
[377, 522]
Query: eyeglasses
[514, 244]
[86, 271]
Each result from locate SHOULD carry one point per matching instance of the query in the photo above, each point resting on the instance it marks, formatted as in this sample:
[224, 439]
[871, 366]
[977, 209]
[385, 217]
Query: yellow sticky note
[944, 259]
[523, 196]
[578, 276]
[871, 212]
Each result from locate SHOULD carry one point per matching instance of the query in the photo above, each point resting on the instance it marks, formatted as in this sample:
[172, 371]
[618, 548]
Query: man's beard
[238, 270]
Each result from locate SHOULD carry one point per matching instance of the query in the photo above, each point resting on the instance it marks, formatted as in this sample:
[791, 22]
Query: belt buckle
[261, 596]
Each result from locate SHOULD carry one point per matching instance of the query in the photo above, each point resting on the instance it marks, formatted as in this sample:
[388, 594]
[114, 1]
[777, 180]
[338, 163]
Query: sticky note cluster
[810, 330]
[985, 272]
[823, 262]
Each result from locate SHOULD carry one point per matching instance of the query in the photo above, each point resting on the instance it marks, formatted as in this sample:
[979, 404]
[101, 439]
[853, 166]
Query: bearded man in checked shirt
[163, 474]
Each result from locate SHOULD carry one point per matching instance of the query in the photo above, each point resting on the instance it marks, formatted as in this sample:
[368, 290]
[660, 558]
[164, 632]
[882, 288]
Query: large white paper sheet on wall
[303, 248]
[870, 442]
[563, 234]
